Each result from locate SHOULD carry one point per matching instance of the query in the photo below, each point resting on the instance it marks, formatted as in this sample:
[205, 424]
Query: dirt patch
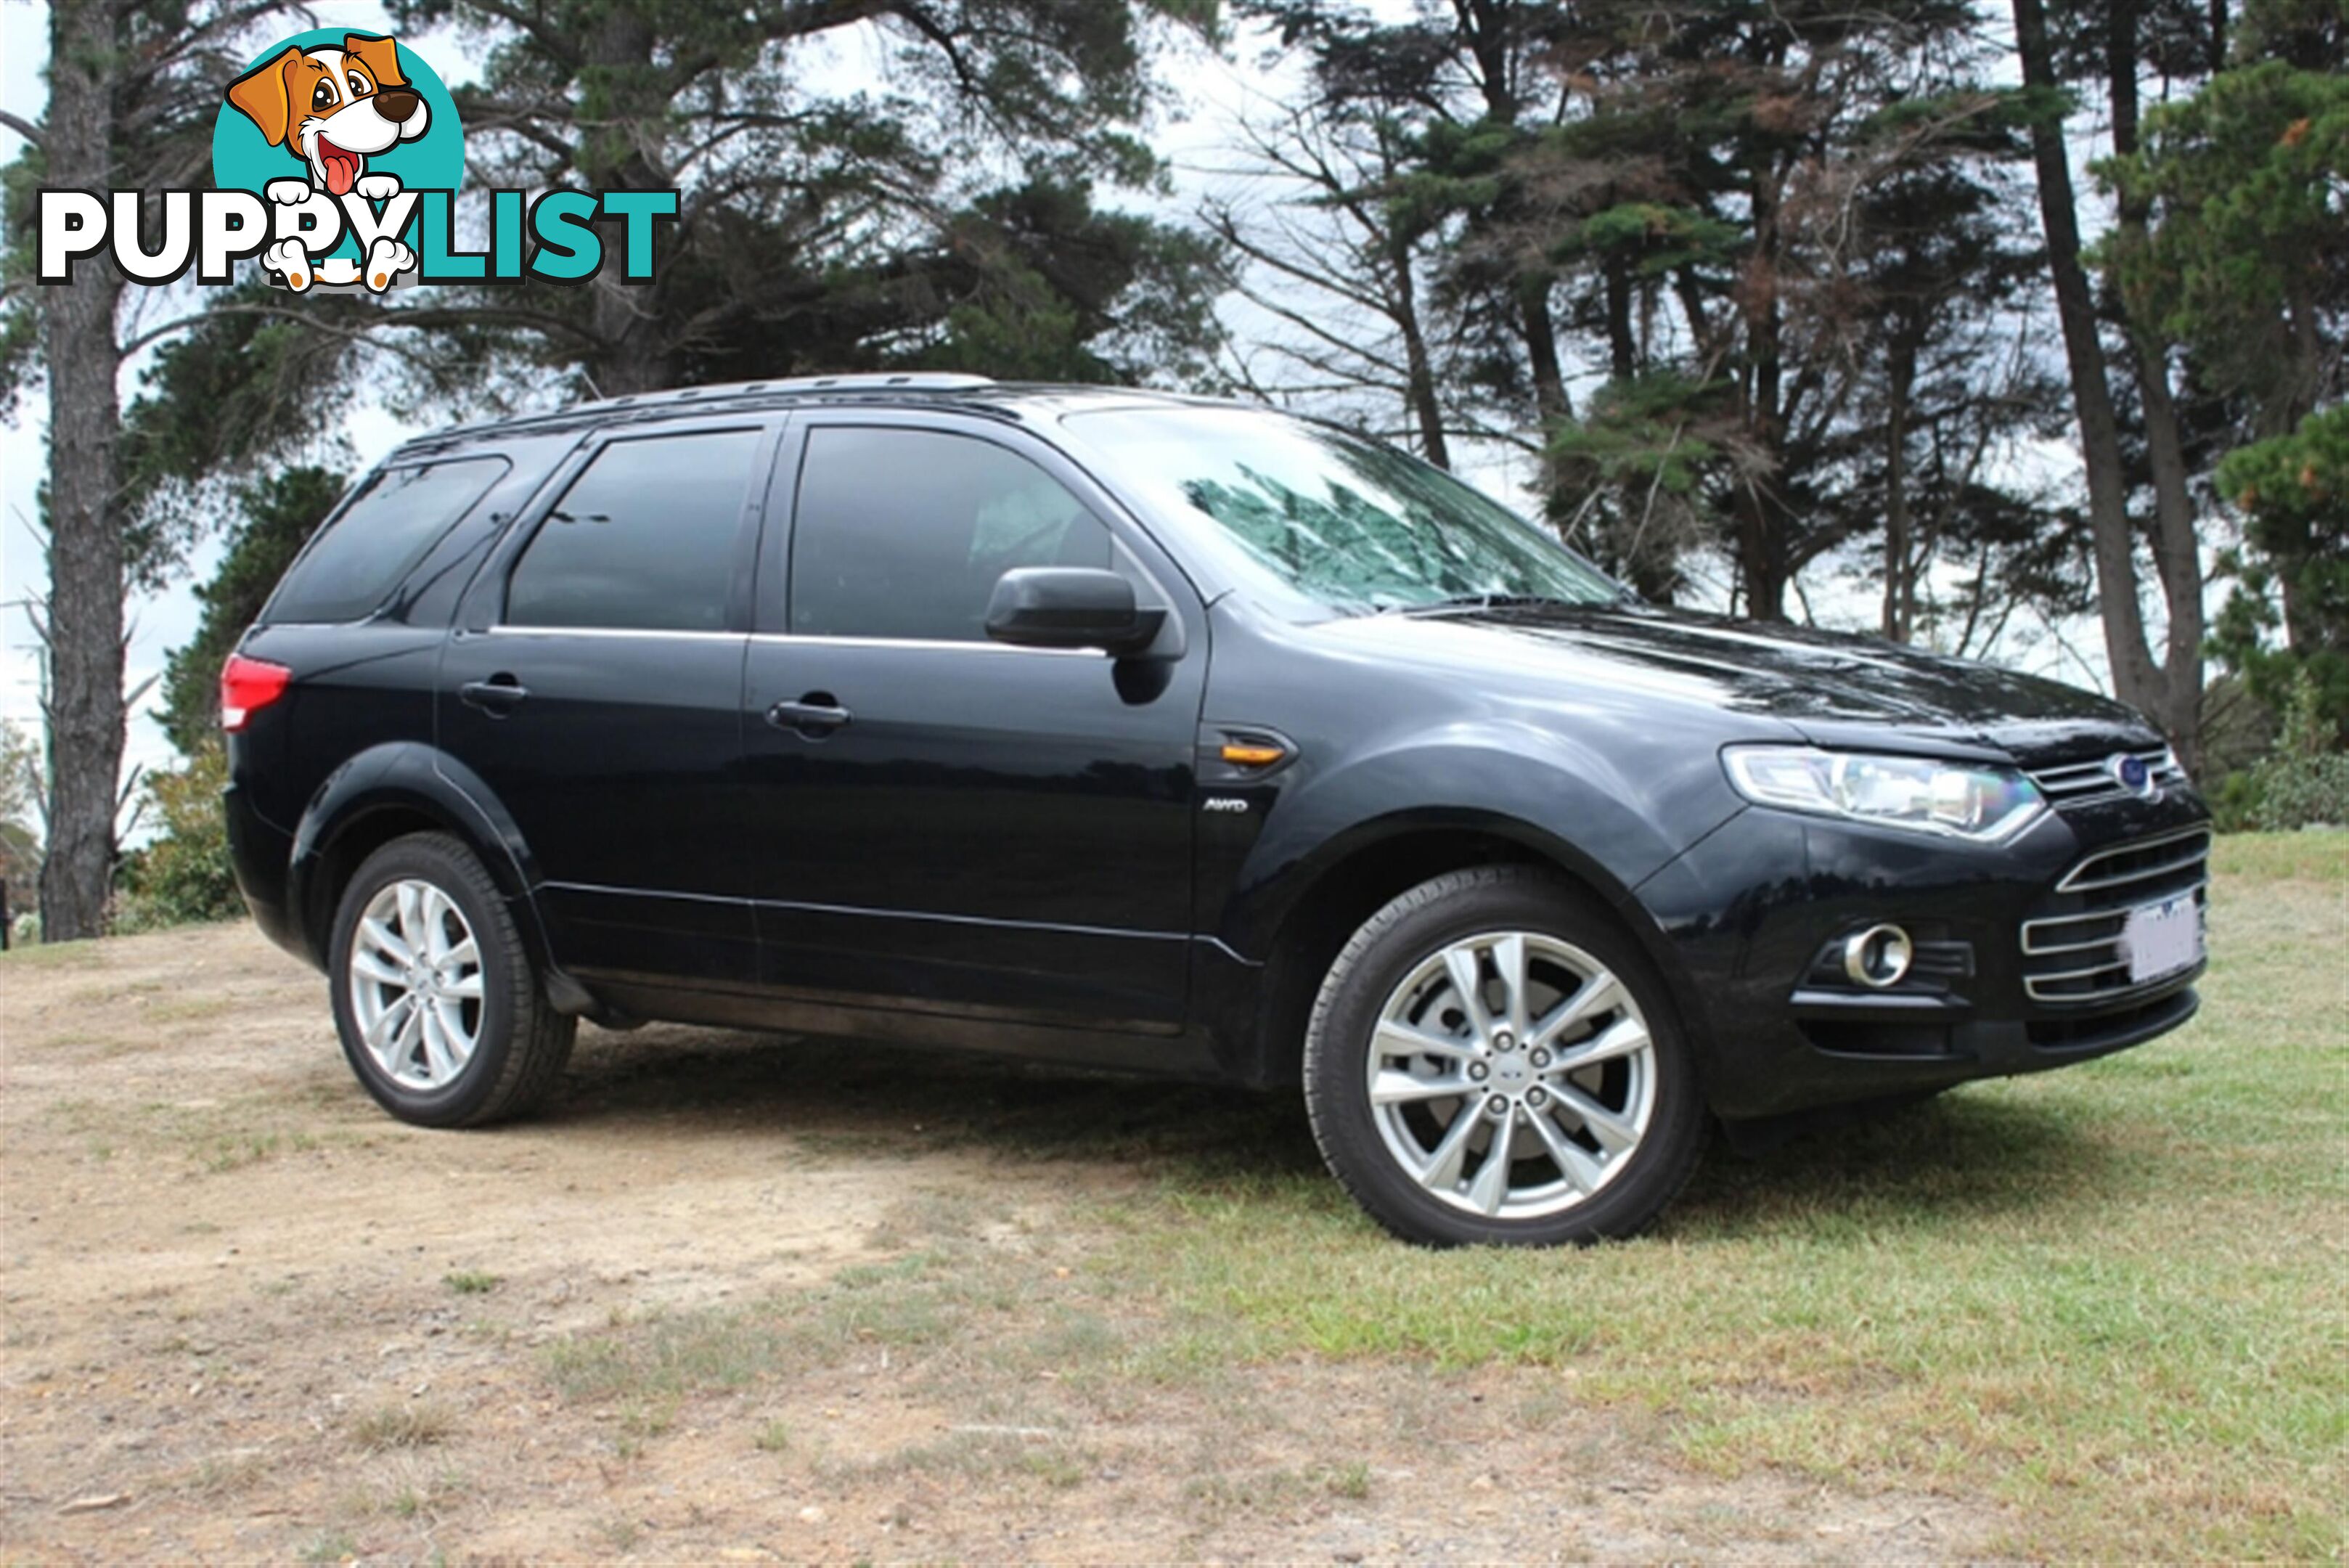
[734, 1298]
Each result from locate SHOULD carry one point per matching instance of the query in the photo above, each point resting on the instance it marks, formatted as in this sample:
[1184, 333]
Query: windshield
[1314, 519]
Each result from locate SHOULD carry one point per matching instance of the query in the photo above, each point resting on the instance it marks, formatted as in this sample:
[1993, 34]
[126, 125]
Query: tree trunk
[2136, 679]
[1761, 557]
[2177, 553]
[1427, 408]
[1541, 349]
[86, 582]
[633, 351]
[1762, 392]
[1900, 578]
[1622, 348]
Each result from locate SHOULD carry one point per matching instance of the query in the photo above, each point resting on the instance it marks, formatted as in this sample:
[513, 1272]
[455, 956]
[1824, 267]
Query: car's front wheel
[1492, 1059]
[439, 1011]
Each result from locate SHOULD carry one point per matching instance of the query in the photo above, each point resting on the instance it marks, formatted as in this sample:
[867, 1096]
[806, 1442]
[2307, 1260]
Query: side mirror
[1070, 607]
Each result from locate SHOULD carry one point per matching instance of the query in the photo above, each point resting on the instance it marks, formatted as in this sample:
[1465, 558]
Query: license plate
[2162, 939]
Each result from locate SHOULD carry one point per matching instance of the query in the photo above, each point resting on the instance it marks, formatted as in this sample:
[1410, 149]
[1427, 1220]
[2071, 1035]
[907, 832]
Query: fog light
[1879, 956]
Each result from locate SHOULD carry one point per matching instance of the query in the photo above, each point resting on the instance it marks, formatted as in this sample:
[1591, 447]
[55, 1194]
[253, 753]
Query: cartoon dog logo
[331, 108]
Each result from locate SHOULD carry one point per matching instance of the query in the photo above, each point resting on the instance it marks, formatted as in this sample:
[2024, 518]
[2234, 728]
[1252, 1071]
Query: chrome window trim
[828, 639]
[979, 645]
[506, 629]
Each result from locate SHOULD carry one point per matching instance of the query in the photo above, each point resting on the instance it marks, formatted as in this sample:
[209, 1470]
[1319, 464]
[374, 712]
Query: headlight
[1983, 805]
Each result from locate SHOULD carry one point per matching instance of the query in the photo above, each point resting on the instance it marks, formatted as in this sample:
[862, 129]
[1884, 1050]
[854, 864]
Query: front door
[595, 691]
[950, 824]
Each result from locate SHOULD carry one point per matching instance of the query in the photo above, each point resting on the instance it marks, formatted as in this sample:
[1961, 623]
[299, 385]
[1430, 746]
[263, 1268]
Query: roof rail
[864, 381]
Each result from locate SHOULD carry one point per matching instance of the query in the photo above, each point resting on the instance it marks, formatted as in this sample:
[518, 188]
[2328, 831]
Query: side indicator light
[1244, 755]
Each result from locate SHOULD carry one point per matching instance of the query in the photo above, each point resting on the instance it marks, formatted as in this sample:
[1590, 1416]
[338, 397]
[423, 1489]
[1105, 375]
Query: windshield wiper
[1459, 602]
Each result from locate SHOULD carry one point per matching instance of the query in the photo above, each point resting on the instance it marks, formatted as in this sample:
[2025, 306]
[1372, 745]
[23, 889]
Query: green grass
[921, 1300]
[2115, 1298]
[56, 955]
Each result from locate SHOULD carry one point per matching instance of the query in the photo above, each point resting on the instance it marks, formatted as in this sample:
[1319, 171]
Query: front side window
[647, 539]
[381, 536]
[903, 533]
[1316, 520]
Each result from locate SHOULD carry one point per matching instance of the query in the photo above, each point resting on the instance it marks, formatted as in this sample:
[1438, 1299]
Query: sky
[1194, 140]
[160, 622]
[1215, 90]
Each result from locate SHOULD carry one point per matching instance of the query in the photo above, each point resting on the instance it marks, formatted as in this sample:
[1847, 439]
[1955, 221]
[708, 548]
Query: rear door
[362, 665]
[594, 687]
[985, 831]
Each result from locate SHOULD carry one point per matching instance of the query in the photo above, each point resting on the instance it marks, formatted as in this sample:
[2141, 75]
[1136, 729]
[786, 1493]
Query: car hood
[1831, 688]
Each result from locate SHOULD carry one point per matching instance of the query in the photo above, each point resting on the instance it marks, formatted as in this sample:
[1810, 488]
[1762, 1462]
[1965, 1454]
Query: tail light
[247, 686]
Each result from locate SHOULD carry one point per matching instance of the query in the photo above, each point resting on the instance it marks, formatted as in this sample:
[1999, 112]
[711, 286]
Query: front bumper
[2016, 971]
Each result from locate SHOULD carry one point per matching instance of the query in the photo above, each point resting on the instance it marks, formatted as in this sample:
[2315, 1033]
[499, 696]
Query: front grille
[2071, 951]
[2088, 783]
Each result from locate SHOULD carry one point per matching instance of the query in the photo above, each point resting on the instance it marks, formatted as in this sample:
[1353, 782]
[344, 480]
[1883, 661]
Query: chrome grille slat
[2090, 782]
[2062, 963]
[2048, 950]
[2146, 874]
[2075, 879]
[2029, 927]
[2090, 973]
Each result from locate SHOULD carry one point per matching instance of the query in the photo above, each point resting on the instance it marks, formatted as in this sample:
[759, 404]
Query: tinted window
[646, 538]
[903, 533]
[1312, 517]
[354, 565]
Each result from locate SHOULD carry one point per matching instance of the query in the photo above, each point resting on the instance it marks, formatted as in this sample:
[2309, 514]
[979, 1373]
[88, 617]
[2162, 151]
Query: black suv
[1160, 733]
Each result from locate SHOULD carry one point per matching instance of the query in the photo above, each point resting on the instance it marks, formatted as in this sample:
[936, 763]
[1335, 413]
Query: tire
[484, 989]
[1593, 1062]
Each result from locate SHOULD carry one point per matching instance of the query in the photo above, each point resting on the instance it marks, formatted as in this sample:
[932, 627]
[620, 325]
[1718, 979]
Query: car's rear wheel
[437, 1001]
[1492, 1059]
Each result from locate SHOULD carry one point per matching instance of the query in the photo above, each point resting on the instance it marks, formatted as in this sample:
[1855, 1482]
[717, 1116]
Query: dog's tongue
[342, 168]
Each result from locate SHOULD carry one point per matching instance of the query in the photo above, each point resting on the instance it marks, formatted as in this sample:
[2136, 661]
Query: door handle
[814, 716]
[498, 696]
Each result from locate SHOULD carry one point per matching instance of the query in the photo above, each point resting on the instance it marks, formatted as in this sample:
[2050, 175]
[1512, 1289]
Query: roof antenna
[594, 390]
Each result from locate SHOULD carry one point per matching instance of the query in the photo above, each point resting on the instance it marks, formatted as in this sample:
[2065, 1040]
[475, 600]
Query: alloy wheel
[1511, 1074]
[415, 980]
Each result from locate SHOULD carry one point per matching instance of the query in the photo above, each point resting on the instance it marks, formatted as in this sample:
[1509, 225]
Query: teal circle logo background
[244, 159]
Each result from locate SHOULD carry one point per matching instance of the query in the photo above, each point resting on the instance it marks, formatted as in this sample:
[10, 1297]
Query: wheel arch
[1322, 901]
[386, 793]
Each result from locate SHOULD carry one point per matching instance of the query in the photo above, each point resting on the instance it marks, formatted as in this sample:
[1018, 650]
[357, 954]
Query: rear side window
[647, 539]
[902, 534]
[354, 566]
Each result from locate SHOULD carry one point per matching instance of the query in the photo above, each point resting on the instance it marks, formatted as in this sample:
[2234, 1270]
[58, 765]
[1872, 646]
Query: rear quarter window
[354, 565]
